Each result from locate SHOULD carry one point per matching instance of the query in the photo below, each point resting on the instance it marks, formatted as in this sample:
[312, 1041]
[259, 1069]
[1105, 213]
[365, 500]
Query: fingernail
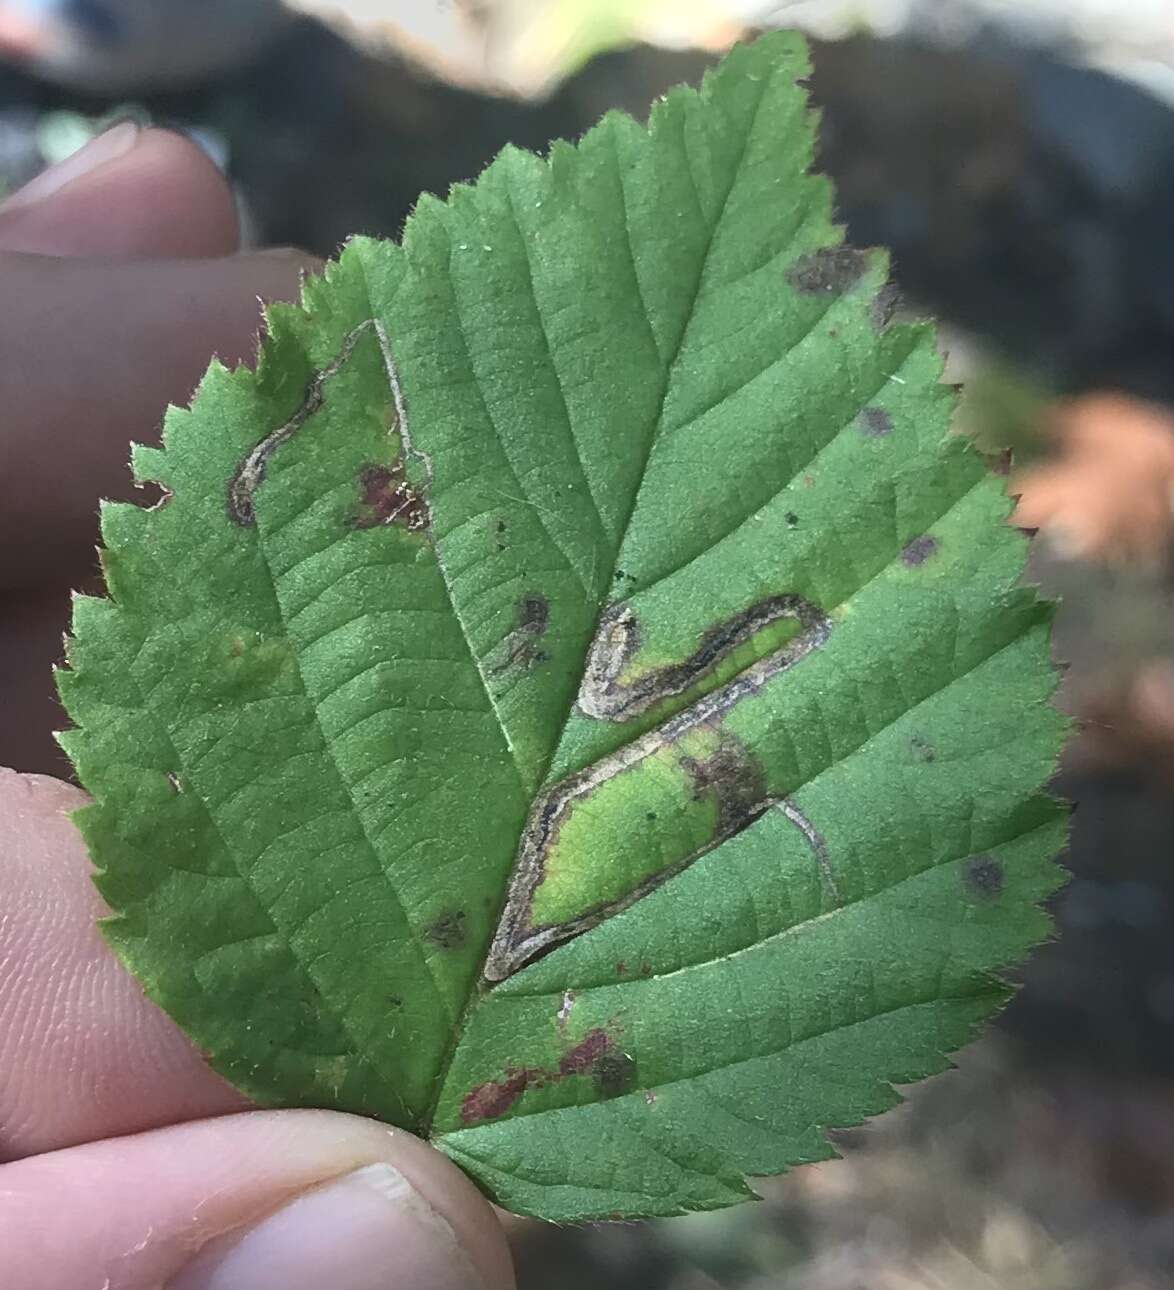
[115, 143]
[369, 1230]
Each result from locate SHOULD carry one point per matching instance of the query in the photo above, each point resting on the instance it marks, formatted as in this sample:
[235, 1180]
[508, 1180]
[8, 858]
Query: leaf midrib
[474, 993]
[666, 386]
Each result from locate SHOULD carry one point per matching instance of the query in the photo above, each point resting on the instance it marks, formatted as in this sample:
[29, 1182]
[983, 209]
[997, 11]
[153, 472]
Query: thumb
[265, 1200]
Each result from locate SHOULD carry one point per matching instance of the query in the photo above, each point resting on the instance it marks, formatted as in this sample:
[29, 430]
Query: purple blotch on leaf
[918, 551]
[875, 423]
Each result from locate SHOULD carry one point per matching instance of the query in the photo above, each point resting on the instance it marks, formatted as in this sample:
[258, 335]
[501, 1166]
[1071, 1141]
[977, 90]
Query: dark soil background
[1030, 204]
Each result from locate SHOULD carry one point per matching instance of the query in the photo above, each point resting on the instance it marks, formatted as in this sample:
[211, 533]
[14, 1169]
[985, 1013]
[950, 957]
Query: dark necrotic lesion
[522, 647]
[829, 271]
[734, 779]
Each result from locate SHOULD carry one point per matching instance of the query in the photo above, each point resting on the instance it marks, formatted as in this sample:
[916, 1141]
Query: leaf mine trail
[517, 940]
[250, 474]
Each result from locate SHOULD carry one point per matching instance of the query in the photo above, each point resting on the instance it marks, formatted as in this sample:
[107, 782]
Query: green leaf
[575, 700]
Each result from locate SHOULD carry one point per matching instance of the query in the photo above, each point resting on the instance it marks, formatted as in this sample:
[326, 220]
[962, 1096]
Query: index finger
[94, 350]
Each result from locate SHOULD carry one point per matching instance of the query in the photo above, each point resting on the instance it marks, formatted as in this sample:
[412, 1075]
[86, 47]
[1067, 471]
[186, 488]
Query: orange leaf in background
[1109, 493]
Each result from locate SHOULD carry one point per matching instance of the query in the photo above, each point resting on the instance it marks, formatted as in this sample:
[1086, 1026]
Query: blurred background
[1018, 158]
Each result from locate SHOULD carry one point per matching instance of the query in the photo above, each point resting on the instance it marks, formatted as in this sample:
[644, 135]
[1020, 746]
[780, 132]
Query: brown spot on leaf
[494, 1098]
[388, 498]
[621, 969]
[582, 1058]
[875, 423]
[448, 931]
[918, 551]
[983, 876]
[590, 1056]
[734, 778]
[831, 270]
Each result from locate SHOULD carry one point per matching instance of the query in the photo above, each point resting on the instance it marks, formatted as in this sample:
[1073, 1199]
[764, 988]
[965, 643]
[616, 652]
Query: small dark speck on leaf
[522, 650]
[650, 816]
[448, 931]
[533, 614]
[983, 876]
[395, 1001]
[918, 551]
[875, 423]
[501, 526]
[833, 269]
[792, 520]
[923, 750]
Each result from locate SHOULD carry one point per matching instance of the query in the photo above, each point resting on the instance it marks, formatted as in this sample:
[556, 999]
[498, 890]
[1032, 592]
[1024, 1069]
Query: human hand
[118, 286]
[130, 1164]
